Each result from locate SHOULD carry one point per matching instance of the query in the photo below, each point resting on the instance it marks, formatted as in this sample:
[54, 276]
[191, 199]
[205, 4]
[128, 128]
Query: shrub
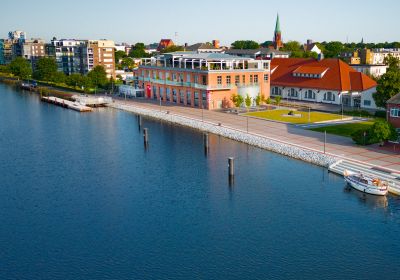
[379, 132]
[380, 114]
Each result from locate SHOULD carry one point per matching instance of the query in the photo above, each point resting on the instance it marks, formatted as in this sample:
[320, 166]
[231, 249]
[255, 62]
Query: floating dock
[92, 101]
[77, 106]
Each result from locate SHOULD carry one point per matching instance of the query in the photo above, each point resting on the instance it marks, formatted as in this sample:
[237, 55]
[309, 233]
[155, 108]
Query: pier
[66, 104]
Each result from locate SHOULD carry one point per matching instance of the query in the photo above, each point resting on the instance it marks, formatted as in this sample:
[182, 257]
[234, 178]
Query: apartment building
[202, 80]
[33, 49]
[101, 52]
[81, 56]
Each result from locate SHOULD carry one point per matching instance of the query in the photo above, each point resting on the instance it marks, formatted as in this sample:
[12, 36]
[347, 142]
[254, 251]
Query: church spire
[277, 34]
[277, 25]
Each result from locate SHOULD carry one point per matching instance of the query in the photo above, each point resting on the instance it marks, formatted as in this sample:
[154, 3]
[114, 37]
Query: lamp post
[160, 102]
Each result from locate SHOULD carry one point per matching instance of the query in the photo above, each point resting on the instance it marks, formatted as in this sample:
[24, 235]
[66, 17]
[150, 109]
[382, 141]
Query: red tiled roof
[310, 70]
[339, 76]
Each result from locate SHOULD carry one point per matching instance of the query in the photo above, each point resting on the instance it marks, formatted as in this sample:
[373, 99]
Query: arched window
[293, 93]
[309, 94]
[276, 91]
[329, 96]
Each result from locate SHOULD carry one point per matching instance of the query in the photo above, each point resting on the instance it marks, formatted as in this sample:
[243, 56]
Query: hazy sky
[203, 20]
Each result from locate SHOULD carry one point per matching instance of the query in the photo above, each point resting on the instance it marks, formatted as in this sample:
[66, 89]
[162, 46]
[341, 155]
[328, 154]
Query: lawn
[344, 129]
[281, 115]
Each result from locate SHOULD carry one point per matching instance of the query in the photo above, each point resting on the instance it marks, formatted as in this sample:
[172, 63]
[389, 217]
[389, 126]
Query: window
[309, 94]
[188, 78]
[196, 79]
[196, 99]
[367, 102]
[276, 91]
[174, 95]
[329, 96]
[266, 77]
[168, 92]
[293, 92]
[256, 79]
[219, 80]
[228, 80]
[204, 99]
[395, 112]
[251, 79]
[160, 90]
[154, 92]
[204, 80]
[188, 98]
[181, 97]
[243, 79]
[237, 80]
[173, 76]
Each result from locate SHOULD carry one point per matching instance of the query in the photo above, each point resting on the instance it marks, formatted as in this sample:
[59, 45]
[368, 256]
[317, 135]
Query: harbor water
[81, 198]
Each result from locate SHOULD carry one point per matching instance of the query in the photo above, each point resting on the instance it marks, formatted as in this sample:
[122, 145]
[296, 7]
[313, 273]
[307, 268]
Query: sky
[191, 21]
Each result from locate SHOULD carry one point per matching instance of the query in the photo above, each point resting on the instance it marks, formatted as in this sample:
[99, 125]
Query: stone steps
[342, 165]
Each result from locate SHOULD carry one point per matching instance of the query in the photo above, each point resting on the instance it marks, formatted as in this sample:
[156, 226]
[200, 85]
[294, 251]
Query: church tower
[277, 35]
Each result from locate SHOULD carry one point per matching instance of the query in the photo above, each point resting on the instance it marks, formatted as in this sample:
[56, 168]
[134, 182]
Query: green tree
[127, 62]
[237, 100]
[245, 45]
[278, 100]
[20, 67]
[388, 84]
[98, 76]
[138, 51]
[258, 100]
[119, 55]
[378, 133]
[75, 80]
[171, 49]
[247, 101]
[46, 69]
[292, 46]
[333, 49]
[392, 62]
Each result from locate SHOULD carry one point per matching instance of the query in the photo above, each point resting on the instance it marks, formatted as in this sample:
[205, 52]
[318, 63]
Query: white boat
[366, 183]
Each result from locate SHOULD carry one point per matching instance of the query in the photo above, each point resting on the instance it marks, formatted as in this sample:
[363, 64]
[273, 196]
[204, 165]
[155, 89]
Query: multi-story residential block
[8, 51]
[101, 52]
[373, 70]
[17, 35]
[330, 81]
[203, 80]
[81, 56]
[33, 49]
[379, 55]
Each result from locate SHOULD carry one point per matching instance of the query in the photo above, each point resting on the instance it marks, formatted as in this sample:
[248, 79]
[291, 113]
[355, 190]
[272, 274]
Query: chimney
[215, 44]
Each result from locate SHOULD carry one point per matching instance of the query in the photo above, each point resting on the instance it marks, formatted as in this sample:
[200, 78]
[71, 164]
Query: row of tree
[329, 49]
[238, 100]
[46, 70]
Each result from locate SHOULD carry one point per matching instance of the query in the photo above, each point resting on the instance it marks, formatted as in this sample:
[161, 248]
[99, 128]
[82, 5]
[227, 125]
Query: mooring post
[206, 143]
[139, 121]
[231, 169]
[145, 136]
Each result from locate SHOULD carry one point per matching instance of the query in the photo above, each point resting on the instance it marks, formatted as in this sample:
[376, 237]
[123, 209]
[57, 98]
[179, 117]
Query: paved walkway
[336, 145]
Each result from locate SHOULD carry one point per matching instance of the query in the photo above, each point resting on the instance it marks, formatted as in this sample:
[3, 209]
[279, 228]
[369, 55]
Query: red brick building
[165, 43]
[393, 110]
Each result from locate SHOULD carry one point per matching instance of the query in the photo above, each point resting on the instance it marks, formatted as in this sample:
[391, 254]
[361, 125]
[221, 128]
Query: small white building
[329, 81]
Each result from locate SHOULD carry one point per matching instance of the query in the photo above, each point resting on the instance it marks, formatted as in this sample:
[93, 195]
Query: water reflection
[371, 201]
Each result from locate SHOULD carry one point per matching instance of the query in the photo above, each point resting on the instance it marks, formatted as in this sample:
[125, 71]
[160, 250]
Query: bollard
[231, 163]
[139, 121]
[145, 136]
[206, 143]
[231, 171]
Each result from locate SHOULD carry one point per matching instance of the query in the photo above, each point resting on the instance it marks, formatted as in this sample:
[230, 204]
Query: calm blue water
[80, 198]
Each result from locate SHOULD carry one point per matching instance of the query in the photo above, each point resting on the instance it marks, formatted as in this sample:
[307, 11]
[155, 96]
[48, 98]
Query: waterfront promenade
[340, 147]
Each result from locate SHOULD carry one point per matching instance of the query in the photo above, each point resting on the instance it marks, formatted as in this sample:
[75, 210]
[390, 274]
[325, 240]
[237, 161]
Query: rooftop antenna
[176, 38]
